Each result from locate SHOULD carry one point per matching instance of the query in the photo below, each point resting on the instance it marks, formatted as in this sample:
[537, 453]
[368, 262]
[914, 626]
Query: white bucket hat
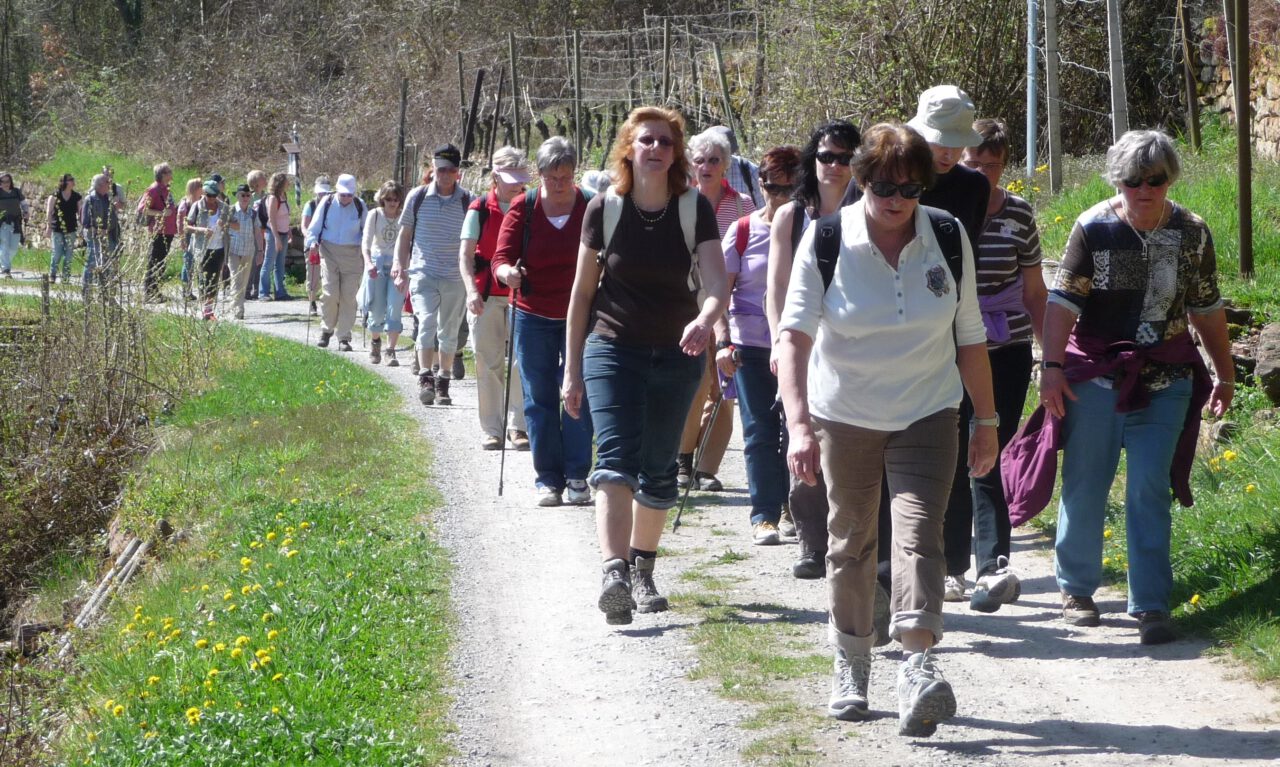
[945, 117]
[321, 188]
[347, 184]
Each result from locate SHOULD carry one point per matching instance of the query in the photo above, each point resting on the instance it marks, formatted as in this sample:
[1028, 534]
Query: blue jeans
[188, 265]
[385, 303]
[63, 245]
[273, 262]
[639, 397]
[97, 262]
[561, 445]
[10, 240]
[1093, 433]
[765, 448]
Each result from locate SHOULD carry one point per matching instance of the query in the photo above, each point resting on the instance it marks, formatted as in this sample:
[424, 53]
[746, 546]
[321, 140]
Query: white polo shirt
[884, 354]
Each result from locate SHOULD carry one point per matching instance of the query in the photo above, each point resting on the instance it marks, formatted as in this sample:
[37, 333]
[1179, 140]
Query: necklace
[652, 221]
[1144, 239]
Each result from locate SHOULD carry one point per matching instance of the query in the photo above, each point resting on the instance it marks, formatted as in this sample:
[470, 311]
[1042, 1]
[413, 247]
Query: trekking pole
[727, 391]
[506, 396]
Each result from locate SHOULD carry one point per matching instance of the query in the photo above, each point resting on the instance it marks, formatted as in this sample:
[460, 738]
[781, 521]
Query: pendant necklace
[1144, 239]
[651, 221]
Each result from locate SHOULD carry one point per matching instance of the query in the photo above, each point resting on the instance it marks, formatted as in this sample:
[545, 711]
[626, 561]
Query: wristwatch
[992, 421]
[724, 345]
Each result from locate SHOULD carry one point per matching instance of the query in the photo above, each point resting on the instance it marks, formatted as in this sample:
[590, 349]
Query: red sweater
[550, 262]
[487, 243]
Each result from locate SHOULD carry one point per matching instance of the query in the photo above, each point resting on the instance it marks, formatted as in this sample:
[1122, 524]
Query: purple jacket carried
[1029, 463]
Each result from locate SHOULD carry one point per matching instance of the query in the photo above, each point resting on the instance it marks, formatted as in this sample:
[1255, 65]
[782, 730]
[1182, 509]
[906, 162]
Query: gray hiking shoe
[648, 600]
[924, 697]
[849, 679]
[881, 616]
[459, 369]
[995, 588]
[1080, 611]
[615, 593]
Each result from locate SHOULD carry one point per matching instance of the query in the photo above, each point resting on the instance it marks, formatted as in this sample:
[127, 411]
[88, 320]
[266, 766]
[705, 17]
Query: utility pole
[1244, 138]
[1032, 79]
[1189, 78]
[1119, 94]
[1052, 104]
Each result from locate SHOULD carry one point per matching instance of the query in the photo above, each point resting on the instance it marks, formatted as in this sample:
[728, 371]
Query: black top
[66, 212]
[962, 192]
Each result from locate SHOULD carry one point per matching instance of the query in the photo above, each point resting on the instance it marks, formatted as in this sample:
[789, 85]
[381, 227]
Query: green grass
[284, 475]
[132, 173]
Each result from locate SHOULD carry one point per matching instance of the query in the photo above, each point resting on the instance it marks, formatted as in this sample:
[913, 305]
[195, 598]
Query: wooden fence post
[1119, 93]
[730, 119]
[577, 92]
[1189, 76]
[515, 87]
[1052, 104]
[1244, 138]
[666, 61]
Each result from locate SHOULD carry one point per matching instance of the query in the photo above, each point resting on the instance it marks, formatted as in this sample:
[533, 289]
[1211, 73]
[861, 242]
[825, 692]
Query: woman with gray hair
[160, 213]
[536, 255]
[1120, 370]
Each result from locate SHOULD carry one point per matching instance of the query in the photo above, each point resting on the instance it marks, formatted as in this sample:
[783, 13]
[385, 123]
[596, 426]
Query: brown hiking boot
[426, 389]
[1080, 611]
[375, 351]
[442, 392]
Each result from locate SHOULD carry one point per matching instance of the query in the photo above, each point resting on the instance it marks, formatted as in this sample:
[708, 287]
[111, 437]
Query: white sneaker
[995, 588]
[849, 680]
[953, 588]
[547, 496]
[576, 492]
[765, 534]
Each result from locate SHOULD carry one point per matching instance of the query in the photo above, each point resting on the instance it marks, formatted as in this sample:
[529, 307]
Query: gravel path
[541, 680]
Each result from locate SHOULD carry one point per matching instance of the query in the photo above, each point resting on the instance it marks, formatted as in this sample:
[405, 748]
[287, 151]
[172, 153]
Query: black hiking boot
[648, 600]
[442, 392]
[615, 593]
[459, 370]
[325, 335]
[684, 470]
[426, 389]
[375, 351]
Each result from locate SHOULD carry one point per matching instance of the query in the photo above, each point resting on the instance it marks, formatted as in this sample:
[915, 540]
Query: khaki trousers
[699, 420]
[239, 268]
[489, 343]
[341, 269]
[919, 462]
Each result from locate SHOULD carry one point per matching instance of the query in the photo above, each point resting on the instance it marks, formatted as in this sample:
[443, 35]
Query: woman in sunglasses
[744, 345]
[1120, 369]
[897, 343]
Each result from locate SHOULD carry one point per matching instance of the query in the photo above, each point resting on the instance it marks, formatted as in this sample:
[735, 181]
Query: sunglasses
[1155, 182]
[648, 141]
[909, 191]
[712, 160]
[778, 189]
[983, 166]
[834, 158]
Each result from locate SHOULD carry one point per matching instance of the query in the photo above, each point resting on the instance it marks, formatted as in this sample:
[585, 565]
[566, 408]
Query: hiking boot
[375, 351]
[576, 492]
[415, 368]
[881, 614]
[1155, 627]
[924, 697]
[810, 566]
[849, 680]
[459, 368]
[787, 525]
[427, 389]
[491, 443]
[442, 392]
[995, 588]
[519, 440]
[344, 346]
[648, 600]
[547, 496]
[953, 588]
[765, 534]
[312, 310]
[240, 314]
[1080, 611]
[684, 470]
[325, 335]
[707, 482]
[615, 593]
[392, 362]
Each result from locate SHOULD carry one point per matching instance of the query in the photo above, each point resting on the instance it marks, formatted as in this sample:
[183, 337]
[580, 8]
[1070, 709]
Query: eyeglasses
[648, 141]
[713, 160]
[909, 191]
[778, 189]
[984, 166]
[1155, 182]
[834, 158]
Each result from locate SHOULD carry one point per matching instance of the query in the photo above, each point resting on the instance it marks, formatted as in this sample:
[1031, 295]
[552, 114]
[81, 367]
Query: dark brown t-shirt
[644, 298]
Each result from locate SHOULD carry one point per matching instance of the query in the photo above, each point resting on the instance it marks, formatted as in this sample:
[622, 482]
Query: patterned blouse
[1126, 289]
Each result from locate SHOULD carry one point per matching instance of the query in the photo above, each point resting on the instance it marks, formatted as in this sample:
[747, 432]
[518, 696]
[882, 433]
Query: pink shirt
[281, 222]
[733, 206]
[157, 198]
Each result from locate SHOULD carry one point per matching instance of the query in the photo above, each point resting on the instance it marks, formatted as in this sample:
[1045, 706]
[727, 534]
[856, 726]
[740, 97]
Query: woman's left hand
[984, 446]
[697, 335]
[571, 391]
[1220, 399]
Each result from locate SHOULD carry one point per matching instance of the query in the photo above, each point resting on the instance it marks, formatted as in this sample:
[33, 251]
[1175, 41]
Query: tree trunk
[131, 17]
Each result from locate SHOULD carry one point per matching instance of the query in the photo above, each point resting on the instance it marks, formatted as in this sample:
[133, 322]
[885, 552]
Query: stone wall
[1216, 93]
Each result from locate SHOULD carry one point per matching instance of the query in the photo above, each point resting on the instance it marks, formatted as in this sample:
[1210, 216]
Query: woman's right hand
[571, 391]
[512, 275]
[1053, 389]
[475, 304]
[725, 362]
[804, 454]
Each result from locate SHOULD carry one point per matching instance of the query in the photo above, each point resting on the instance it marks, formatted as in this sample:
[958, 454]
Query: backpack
[686, 209]
[744, 169]
[421, 192]
[826, 244]
[741, 234]
[327, 203]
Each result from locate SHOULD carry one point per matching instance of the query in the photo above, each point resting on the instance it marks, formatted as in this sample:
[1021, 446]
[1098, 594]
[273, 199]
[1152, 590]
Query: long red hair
[677, 174]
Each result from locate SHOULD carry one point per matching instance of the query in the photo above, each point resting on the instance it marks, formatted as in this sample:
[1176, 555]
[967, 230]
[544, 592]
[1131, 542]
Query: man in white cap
[336, 230]
[487, 299]
[322, 189]
[944, 117]
[427, 263]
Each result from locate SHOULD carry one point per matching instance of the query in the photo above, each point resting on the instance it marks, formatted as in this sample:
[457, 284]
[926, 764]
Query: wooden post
[757, 81]
[1229, 18]
[1119, 93]
[730, 120]
[1033, 79]
[1244, 138]
[699, 102]
[631, 78]
[1189, 77]
[515, 86]
[577, 92]
[404, 105]
[468, 132]
[1052, 104]
[462, 86]
[494, 124]
[665, 91]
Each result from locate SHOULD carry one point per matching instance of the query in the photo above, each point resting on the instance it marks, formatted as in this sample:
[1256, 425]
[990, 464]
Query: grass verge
[83, 162]
[304, 618]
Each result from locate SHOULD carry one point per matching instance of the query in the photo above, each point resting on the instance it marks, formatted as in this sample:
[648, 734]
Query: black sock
[638, 553]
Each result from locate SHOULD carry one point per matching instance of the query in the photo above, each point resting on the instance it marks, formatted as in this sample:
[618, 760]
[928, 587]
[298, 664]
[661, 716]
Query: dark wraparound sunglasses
[909, 191]
[1155, 182]
[661, 141]
[777, 188]
[839, 158]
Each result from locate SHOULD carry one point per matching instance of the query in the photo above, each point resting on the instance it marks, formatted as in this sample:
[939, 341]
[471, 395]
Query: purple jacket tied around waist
[997, 307]
[1029, 463]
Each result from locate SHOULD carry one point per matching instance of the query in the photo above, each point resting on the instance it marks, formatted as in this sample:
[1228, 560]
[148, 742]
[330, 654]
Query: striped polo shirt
[436, 229]
[1009, 243]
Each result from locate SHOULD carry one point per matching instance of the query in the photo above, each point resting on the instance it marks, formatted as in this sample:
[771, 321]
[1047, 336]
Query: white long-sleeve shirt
[335, 223]
[884, 353]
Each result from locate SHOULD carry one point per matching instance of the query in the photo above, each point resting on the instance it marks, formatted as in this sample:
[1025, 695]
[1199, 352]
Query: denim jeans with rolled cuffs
[765, 448]
[386, 303]
[273, 264]
[1093, 433]
[639, 397]
[561, 444]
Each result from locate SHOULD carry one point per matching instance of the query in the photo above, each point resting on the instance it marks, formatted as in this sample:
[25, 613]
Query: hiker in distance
[336, 231]
[637, 340]
[378, 246]
[891, 286]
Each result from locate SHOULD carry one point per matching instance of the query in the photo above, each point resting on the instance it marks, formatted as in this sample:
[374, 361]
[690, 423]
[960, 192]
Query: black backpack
[826, 244]
[327, 203]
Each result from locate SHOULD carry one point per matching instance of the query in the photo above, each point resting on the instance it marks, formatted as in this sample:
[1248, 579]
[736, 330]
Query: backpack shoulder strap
[687, 209]
[612, 214]
[798, 215]
[741, 235]
[947, 232]
[826, 246]
[530, 199]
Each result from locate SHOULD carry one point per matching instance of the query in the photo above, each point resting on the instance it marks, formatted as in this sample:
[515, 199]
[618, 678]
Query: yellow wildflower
[304, 525]
[151, 680]
[277, 677]
[201, 644]
[275, 710]
[219, 647]
[1251, 488]
[242, 640]
[245, 561]
[236, 653]
[1106, 533]
[294, 501]
[245, 590]
[151, 734]
[260, 654]
[1057, 219]
[1195, 599]
[266, 617]
[193, 715]
[1106, 561]
[228, 595]
[1230, 455]
[271, 536]
[212, 673]
[292, 553]
[117, 710]
[272, 634]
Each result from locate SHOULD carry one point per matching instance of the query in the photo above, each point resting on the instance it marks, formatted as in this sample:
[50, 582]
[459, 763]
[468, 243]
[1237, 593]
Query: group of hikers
[870, 299]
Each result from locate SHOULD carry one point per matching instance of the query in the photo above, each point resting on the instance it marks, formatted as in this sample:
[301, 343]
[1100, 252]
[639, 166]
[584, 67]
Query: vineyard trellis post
[577, 93]
[665, 91]
[400, 174]
[631, 76]
[515, 89]
[1052, 103]
[1244, 139]
[1189, 77]
[1119, 93]
[1032, 80]
[730, 119]
[469, 129]
[497, 116]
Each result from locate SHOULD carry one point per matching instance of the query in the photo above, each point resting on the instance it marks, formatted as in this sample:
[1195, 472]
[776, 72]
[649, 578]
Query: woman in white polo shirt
[895, 339]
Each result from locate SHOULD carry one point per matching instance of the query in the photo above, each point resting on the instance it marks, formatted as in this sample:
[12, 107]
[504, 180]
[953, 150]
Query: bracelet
[1232, 384]
[725, 345]
[1049, 364]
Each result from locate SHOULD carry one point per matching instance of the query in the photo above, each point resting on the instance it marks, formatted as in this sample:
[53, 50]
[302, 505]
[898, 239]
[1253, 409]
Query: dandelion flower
[245, 590]
[1230, 455]
[271, 536]
[151, 680]
[1251, 488]
[228, 595]
[201, 644]
[275, 710]
[1057, 219]
[245, 562]
[1195, 599]
[1106, 561]
[219, 647]
[242, 640]
[304, 525]
[277, 677]
[204, 587]
[292, 553]
[236, 653]
[260, 654]
[272, 634]
[151, 734]
[294, 501]
[267, 617]
[212, 673]
[1042, 168]
[193, 715]
[118, 710]
[1106, 533]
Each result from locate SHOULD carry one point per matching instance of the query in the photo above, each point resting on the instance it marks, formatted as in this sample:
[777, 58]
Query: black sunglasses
[1154, 182]
[839, 158]
[909, 191]
[662, 141]
[777, 188]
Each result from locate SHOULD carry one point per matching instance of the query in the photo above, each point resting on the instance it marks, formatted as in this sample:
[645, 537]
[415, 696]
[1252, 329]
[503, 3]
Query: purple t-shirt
[747, 323]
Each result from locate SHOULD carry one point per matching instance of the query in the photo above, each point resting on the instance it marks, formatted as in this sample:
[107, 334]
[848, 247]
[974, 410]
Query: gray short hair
[1142, 153]
[162, 169]
[711, 139]
[554, 152]
[100, 178]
